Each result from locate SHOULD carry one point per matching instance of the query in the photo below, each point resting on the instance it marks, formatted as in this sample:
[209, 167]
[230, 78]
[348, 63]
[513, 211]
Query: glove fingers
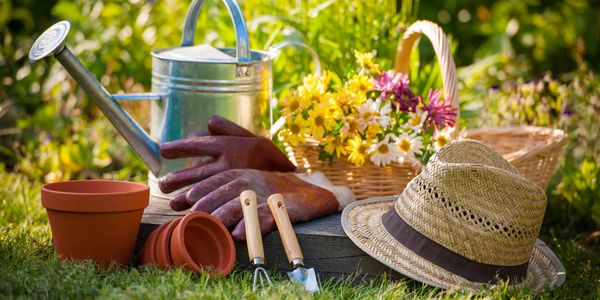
[218, 125]
[229, 213]
[211, 201]
[265, 221]
[208, 185]
[179, 203]
[178, 179]
[191, 147]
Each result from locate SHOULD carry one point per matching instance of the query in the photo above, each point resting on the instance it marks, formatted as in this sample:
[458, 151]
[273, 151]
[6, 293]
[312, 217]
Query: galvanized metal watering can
[187, 86]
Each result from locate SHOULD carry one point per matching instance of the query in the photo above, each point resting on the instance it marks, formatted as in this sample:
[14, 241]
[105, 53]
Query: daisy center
[362, 149]
[405, 145]
[442, 140]
[416, 120]
[314, 98]
[383, 149]
[294, 128]
[294, 105]
[319, 121]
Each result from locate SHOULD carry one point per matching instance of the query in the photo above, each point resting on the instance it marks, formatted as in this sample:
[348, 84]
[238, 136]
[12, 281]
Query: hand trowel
[300, 274]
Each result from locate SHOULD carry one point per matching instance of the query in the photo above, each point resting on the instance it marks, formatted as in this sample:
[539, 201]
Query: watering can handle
[239, 24]
[276, 49]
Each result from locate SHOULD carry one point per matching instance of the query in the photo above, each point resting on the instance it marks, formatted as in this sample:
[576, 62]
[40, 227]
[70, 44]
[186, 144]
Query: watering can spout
[51, 42]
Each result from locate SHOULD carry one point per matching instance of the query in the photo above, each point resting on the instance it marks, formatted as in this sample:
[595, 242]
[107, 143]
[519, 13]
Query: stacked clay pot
[197, 242]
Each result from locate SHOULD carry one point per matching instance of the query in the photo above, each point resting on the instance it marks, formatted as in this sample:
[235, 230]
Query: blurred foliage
[549, 35]
[521, 62]
[572, 105]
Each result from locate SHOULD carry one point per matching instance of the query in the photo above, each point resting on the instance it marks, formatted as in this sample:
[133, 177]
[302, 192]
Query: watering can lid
[200, 53]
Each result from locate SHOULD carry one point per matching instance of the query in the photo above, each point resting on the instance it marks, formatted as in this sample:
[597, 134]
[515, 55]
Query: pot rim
[54, 199]
[179, 238]
[49, 187]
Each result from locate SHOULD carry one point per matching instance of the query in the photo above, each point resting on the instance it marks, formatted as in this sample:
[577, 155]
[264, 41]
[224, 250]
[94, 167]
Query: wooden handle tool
[253, 236]
[286, 231]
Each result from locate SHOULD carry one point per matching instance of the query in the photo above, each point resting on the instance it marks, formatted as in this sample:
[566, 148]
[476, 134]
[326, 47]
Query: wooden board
[325, 246]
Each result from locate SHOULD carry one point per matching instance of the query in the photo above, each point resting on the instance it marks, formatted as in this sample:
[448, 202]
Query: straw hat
[468, 219]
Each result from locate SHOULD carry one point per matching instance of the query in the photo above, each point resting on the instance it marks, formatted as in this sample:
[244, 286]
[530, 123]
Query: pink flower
[394, 87]
[439, 113]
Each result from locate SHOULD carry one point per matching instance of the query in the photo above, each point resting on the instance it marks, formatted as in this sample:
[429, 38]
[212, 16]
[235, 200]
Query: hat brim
[361, 221]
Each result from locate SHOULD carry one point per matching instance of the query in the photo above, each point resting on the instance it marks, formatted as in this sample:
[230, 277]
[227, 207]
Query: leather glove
[225, 146]
[219, 195]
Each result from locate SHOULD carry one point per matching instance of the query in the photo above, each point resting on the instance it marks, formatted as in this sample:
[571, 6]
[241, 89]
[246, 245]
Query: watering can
[188, 87]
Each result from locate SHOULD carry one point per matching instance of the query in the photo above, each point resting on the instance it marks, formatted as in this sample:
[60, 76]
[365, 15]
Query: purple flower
[439, 113]
[406, 100]
[394, 87]
[390, 83]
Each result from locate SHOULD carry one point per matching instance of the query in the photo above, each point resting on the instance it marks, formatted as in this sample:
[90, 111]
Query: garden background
[520, 62]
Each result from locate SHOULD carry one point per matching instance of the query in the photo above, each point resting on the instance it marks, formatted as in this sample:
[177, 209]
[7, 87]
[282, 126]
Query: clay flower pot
[161, 247]
[202, 243]
[95, 219]
[148, 254]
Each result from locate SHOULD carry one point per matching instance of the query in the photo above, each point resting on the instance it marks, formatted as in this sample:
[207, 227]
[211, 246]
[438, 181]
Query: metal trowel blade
[306, 277]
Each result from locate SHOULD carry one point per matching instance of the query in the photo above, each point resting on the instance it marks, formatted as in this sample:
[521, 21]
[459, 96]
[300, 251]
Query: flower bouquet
[373, 125]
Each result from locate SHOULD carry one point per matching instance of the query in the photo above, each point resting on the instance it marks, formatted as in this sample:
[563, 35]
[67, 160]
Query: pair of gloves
[233, 160]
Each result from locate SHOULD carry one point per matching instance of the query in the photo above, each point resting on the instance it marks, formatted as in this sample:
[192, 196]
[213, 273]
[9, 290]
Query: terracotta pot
[148, 254]
[161, 247]
[95, 219]
[202, 243]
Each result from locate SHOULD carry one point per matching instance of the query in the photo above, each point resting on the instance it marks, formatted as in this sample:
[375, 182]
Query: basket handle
[441, 46]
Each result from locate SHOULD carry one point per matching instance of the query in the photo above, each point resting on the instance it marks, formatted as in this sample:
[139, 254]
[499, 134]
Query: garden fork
[254, 239]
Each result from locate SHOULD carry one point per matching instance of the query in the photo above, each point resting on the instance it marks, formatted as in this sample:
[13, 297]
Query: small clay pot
[95, 219]
[201, 243]
[148, 254]
[161, 247]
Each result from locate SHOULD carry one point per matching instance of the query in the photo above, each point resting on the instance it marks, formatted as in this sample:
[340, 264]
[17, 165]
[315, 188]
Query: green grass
[29, 268]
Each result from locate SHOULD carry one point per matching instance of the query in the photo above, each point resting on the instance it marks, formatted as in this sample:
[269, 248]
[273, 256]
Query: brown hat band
[447, 259]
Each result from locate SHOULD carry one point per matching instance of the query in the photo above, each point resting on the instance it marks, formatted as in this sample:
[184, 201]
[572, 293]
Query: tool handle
[253, 236]
[286, 231]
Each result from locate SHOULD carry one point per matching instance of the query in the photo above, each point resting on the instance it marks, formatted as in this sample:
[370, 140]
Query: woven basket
[534, 151]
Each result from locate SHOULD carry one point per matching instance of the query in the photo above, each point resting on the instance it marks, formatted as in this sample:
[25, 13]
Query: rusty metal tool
[300, 274]
[254, 239]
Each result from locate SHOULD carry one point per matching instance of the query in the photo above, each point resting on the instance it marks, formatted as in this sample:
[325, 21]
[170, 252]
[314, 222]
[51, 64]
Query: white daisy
[409, 145]
[416, 120]
[367, 113]
[384, 152]
[442, 137]
[383, 111]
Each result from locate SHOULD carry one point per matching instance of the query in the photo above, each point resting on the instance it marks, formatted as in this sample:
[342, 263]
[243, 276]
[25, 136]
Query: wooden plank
[325, 246]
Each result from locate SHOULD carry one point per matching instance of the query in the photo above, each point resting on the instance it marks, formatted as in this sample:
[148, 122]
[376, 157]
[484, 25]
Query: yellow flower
[292, 104]
[358, 149]
[319, 120]
[365, 60]
[372, 131]
[350, 126]
[360, 83]
[334, 145]
[346, 101]
[294, 131]
[315, 80]
[312, 94]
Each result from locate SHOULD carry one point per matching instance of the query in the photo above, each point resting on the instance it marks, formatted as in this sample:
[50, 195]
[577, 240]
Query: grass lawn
[29, 268]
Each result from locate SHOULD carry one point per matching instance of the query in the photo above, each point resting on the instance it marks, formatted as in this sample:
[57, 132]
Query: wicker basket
[534, 151]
